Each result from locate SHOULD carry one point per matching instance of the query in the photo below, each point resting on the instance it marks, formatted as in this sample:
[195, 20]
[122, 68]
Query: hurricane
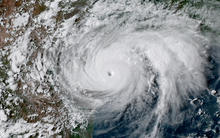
[145, 67]
[134, 68]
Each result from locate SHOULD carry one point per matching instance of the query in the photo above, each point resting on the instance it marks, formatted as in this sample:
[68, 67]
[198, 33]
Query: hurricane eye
[109, 73]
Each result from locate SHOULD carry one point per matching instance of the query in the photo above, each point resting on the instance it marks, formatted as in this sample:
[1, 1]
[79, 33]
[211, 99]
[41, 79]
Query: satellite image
[109, 68]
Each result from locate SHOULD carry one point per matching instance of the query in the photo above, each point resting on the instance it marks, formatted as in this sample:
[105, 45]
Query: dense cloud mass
[128, 68]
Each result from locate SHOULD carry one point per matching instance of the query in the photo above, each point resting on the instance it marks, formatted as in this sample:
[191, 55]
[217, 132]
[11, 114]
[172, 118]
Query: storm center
[109, 73]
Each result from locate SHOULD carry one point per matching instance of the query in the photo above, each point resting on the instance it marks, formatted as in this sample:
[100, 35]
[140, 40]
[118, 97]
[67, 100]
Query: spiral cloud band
[121, 67]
